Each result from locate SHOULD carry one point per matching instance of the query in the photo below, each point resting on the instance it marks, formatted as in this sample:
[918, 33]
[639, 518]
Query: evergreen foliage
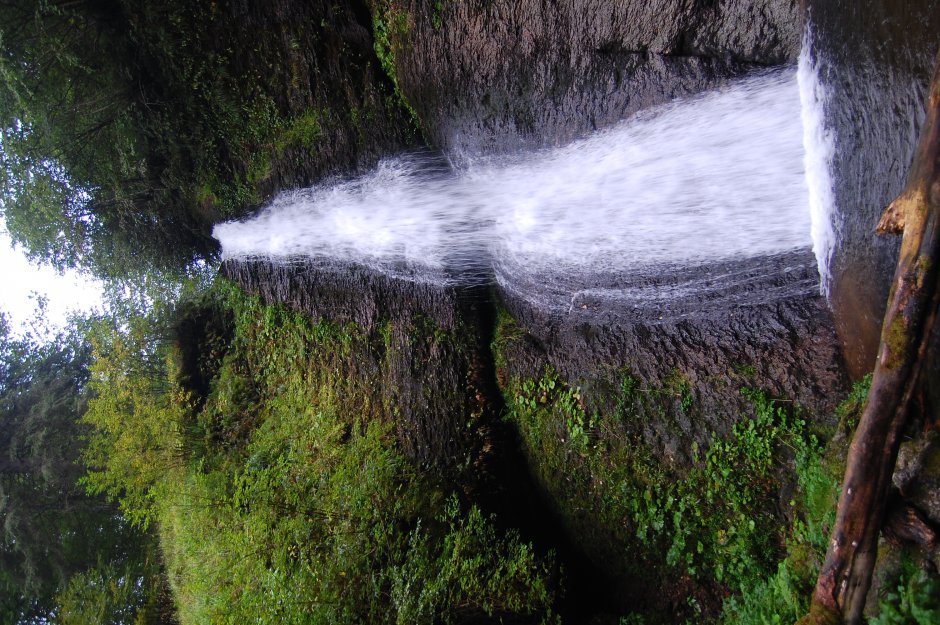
[128, 129]
[52, 535]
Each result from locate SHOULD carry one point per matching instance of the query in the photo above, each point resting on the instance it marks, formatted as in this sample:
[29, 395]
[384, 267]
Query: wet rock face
[421, 363]
[753, 324]
[436, 361]
[876, 61]
[917, 474]
[345, 294]
[496, 76]
[318, 56]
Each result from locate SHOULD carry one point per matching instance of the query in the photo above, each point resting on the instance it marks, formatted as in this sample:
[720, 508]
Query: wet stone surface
[488, 77]
[710, 331]
[875, 62]
[420, 356]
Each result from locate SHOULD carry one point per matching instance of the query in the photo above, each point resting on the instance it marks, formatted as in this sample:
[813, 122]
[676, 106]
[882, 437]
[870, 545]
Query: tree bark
[912, 309]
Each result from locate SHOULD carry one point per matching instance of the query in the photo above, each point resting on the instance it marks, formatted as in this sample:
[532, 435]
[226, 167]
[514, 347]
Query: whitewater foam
[819, 150]
[735, 173]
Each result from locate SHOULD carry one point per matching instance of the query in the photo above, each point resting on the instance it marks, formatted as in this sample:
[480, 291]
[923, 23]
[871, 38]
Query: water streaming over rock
[819, 151]
[736, 173]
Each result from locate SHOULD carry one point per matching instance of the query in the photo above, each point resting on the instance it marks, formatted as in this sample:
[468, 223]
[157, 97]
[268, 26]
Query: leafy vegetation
[913, 600]
[391, 26]
[715, 520]
[282, 496]
[784, 596]
[55, 540]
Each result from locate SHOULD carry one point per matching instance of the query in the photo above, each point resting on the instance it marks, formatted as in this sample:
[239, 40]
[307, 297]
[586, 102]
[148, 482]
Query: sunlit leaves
[137, 416]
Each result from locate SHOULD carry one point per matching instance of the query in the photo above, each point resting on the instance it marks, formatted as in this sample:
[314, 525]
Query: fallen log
[845, 576]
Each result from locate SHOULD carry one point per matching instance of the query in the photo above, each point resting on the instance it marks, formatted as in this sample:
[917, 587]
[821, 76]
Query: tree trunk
[912, 308]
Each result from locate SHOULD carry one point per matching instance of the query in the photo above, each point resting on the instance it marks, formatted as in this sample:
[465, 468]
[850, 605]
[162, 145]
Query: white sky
[20, 278]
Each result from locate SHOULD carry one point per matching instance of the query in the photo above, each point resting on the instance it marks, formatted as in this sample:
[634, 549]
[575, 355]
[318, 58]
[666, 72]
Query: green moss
[505, 334]
[269, 138]
[205, 195]
[746, 371]
[924, 265]
[897, 341]
[850, 410]
[300, 132]
[425, 332]
[785, 596]
[677, 384]
[709, 521]
[391, 27]
[386, 329]
[436, 14]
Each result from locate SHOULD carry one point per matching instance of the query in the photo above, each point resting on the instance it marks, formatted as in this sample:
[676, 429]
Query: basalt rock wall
[760, 324]
[876, 58]
[495, 76]
[447, 364]
[484, 77]
[315, 60]
[421, 351]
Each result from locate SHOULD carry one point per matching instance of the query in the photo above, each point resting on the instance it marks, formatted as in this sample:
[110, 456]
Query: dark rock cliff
[425, 361]
[495, 76]
[316, 58]
[876, 60]
[755, 324]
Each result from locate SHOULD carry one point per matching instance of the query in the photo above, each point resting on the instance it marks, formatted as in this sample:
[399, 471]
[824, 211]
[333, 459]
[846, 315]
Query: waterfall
[819, 150]
[740, 172]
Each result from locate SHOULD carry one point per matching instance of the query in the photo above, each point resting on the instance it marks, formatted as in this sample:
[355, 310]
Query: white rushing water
[819, 150]
[724, 175]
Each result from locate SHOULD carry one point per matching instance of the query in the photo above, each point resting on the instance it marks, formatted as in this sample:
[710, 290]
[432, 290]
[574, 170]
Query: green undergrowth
[713, 521]
[282, 495]
[720, 521]
[784, 596]
[912, 597]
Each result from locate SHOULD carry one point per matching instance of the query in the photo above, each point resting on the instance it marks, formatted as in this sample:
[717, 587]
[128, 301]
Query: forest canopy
[128, 129]
[126, 132]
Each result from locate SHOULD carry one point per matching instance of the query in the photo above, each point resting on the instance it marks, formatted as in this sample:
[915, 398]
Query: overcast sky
[21, 278]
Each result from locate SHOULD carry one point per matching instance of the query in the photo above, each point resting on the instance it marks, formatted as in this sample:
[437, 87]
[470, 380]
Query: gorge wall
[876, 61]
[613, 379]
[498, 76]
